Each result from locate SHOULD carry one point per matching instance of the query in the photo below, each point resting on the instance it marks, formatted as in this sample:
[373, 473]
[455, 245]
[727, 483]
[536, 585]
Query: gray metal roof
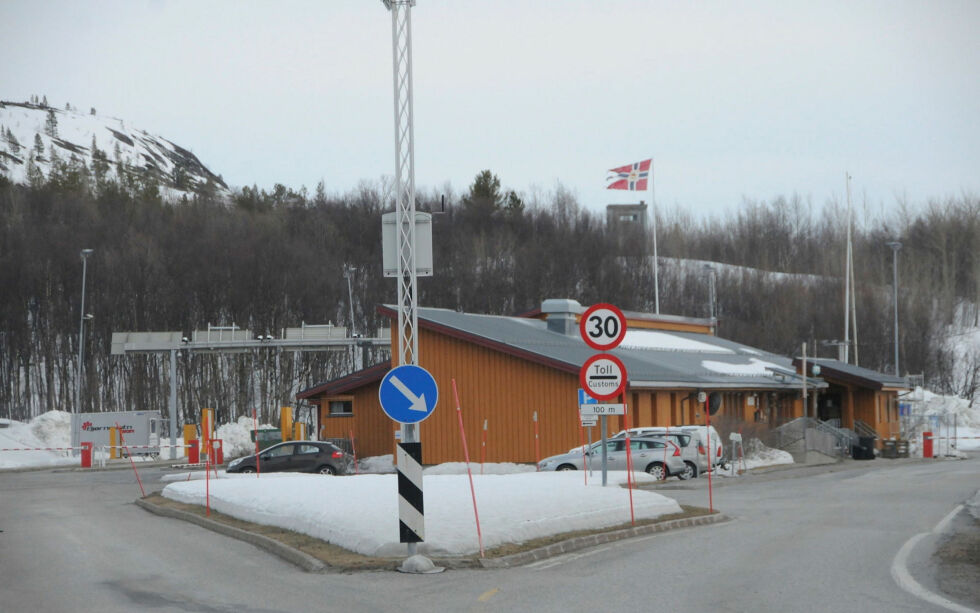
[653, 358]
[866, 376]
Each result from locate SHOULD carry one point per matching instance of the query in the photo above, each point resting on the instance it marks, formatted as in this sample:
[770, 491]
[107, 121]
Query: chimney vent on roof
[560, 314]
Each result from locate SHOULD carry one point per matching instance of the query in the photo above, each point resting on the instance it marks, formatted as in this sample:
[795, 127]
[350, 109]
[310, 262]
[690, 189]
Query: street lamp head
[87, 252]
[894, 245]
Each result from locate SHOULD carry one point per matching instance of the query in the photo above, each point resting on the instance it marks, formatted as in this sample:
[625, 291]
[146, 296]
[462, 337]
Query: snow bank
[47, 430]
[236, 437]
[360, 513]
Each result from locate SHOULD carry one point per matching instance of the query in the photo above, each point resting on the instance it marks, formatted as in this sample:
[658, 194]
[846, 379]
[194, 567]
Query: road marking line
[942, 525]
[487, 595]
[903, 578]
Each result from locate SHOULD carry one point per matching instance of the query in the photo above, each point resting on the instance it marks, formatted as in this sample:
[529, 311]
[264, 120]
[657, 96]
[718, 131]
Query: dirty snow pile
[954, 422]
[360, 512]
[758, 455]
[50, 429]
[236, 437]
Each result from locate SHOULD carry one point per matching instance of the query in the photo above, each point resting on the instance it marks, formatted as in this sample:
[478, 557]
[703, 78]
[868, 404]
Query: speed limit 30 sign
[602, 326]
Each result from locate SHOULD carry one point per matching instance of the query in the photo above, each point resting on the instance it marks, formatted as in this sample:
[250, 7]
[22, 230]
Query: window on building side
[341, 407]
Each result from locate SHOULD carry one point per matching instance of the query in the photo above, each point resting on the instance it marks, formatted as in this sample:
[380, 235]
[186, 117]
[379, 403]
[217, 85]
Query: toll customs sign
[603, 376]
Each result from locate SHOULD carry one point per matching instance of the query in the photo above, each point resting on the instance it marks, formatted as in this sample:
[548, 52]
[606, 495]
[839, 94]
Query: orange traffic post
[707, 421]
[466, 456]
[133, 463]
[537, 444]
[255, 435]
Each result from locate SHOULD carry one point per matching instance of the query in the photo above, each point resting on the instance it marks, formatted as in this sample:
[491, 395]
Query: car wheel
[326, 469]
[657, 471]
[248, 470]
[689, 472]
[566, 467]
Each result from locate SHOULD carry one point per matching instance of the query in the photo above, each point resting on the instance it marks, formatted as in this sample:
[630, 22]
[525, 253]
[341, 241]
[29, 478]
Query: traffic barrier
[194, 453]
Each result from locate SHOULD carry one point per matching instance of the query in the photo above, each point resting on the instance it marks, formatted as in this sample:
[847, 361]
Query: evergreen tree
[38, 146]
[44, 101]
[51, 124]
[91, 111]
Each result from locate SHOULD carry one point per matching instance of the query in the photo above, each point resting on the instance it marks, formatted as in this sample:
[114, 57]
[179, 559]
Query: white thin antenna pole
[847, 274]
[854, 314]
[401, 40]
[656, 260]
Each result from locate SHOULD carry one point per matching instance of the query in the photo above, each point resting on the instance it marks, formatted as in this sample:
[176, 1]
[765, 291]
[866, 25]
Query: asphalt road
[801, 540]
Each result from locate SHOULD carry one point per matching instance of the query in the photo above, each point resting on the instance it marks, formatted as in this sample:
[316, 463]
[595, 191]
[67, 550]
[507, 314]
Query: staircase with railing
[805, 437]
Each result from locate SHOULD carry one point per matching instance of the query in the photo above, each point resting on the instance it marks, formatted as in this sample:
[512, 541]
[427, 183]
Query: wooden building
[858, 398]
[510, 371]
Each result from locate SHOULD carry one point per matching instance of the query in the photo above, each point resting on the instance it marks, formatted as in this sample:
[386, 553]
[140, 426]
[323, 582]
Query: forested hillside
[266, 261]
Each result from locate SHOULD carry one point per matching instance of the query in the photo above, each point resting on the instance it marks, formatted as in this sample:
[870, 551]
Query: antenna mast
[401, 45]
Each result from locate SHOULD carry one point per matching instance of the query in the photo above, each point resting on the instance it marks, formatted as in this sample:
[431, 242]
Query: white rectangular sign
[602, 409]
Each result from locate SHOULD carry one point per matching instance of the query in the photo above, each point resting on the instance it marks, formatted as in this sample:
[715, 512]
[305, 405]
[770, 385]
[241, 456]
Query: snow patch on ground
[360, 512]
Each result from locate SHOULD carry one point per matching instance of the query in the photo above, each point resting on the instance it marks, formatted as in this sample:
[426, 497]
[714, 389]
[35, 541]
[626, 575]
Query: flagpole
[656, 261]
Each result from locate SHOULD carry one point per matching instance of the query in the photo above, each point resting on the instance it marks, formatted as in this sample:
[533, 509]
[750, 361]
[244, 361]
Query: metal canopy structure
[232, 339]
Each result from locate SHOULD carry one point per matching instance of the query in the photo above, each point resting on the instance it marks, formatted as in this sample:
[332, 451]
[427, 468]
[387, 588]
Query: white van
[696, 451]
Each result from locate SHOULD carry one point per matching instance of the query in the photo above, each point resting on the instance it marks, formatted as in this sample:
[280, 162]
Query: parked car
[696, 450]
[657, 456]
[296, 456]
[697, 462]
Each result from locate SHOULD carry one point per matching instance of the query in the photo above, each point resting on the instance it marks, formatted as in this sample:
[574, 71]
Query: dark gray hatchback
[295, 456]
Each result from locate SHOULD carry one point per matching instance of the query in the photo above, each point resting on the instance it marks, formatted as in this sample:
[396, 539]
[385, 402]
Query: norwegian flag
[632, 176]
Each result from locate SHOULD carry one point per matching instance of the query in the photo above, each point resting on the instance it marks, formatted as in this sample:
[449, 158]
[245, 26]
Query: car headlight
[235, 462]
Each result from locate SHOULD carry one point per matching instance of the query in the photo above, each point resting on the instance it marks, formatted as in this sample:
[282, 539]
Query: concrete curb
[582, 542]
[295, 556]
[311, 564]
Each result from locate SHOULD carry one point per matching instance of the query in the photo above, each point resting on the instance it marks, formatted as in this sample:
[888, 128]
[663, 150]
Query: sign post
[408, 394]
[603, 376]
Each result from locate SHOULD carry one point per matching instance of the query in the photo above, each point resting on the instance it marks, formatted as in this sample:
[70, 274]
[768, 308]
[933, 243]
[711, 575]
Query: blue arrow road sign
[408, 394]
[584, 398]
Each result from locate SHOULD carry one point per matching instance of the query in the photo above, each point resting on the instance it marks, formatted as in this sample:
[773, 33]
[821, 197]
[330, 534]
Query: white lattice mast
[401, 44]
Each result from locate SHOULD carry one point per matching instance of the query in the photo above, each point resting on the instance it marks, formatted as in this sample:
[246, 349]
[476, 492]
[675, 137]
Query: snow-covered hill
[38, 133]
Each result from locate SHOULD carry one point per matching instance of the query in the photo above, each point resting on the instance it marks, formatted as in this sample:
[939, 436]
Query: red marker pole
[483, 449]
[123, 443]
[537, 445]
[466, 454]
[629, 459]
[255, 431]
[207, 484]
[711, 453]
[354, 451]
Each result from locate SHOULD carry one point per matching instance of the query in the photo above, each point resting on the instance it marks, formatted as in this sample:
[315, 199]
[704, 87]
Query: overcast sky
[733, 100]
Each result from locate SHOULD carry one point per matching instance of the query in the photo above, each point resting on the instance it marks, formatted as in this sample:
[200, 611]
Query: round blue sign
[408, 394]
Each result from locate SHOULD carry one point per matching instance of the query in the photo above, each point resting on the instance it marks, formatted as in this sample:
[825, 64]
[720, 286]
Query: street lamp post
[81, 334]
[895, 245]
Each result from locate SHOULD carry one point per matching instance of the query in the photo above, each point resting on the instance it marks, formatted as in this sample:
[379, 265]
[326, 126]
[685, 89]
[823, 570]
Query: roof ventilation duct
[560, 314]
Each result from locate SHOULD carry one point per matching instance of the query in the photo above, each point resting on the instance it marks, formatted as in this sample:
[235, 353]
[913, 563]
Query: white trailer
[141, 430]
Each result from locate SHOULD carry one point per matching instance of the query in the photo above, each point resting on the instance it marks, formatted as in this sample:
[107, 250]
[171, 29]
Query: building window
[340, 406]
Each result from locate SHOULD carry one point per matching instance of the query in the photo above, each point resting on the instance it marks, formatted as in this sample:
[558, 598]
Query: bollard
[217, 454]
[114, 443]
[927, 444]
[193, 452]
[86, 455]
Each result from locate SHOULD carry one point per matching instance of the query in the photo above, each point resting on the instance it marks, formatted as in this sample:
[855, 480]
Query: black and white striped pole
[411, 507]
